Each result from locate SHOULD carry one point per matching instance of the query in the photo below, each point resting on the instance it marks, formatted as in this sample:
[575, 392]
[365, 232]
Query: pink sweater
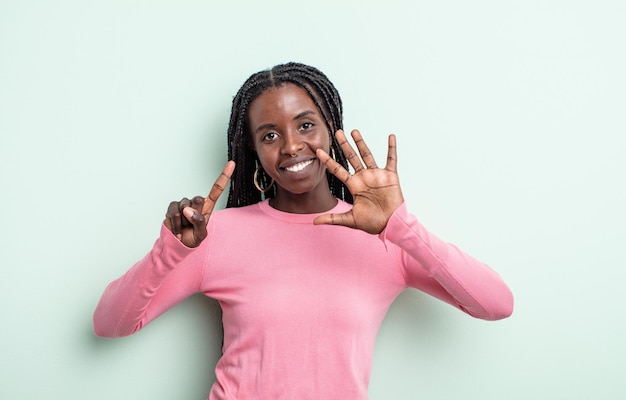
[301, 303]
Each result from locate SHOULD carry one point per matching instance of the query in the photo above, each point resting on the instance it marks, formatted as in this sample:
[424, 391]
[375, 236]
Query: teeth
[299, 166]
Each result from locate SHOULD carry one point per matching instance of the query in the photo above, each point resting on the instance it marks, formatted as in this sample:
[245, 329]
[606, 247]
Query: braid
[326, 98]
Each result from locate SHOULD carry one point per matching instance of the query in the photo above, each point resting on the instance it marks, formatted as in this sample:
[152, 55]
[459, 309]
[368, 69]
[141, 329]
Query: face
[286, 129]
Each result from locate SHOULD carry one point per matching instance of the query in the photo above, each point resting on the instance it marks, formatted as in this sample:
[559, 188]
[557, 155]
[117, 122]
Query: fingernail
[189, 212]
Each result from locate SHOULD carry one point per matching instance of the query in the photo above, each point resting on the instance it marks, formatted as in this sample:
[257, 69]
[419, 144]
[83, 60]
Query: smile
[299, 166]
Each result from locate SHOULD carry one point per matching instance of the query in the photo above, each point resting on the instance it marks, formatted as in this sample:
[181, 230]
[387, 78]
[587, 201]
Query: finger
[392, 155]
[333, 166]
[365, 152]
[196, 203]
[349, 152]
[184, 203]
[345, 219]
[194, 215]
[194, 206]
[218, 188]
[199, 223]
[173, 218]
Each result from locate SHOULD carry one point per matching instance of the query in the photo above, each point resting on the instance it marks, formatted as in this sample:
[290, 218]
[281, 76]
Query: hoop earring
[256, 183]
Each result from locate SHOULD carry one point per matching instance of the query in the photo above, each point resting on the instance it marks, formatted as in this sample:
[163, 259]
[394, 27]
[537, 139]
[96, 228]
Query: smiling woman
[300, 317]
[287, 129]
[322, 100]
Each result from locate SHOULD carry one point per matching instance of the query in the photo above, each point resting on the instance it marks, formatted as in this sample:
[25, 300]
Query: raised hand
[187, 219]
[376, 191]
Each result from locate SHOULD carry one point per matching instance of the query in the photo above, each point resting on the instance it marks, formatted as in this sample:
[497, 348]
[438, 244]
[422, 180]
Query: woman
[302, 295]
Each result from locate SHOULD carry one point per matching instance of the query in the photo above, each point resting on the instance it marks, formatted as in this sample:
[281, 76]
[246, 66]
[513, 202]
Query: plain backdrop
[510, 118]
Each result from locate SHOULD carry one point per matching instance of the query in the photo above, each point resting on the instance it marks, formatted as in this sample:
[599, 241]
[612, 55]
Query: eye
[307, 126]
[269, 137]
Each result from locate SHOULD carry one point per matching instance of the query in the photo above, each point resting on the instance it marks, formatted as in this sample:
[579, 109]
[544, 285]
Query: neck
[306, 203]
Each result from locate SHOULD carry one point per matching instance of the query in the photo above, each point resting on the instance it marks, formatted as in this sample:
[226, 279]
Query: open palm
[376, 191]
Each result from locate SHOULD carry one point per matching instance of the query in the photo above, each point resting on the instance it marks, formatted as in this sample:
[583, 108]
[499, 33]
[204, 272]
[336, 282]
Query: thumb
[198, 222]
[345, 219]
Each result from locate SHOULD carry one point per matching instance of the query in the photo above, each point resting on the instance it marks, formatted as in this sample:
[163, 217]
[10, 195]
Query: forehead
[286, 100]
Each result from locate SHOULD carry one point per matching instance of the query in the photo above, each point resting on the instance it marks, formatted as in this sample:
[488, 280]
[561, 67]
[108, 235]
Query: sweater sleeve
[446, 272]
[164, 277]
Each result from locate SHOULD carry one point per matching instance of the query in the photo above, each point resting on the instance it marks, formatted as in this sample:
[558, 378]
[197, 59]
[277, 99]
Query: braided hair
[327, 100]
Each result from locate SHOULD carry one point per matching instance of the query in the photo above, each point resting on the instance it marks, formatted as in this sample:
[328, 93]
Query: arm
[140, 295]
[168, 274]
[446, 272]
[430, 264]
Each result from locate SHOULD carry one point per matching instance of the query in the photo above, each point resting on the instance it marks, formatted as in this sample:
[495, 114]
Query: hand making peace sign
[187, 219]
[376, 191]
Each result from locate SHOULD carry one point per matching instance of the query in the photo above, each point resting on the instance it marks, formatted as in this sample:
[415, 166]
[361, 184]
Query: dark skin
[376, 191]
[287, 128]
[286, 131]
[187, 219]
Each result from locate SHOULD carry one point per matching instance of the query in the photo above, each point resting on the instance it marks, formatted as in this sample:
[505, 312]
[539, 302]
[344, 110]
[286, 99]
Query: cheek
[324, 142]
[267, 162]
[263, 160]
[259, 151]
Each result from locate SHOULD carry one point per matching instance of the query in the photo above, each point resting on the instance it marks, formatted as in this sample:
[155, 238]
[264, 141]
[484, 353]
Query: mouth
[299, 166]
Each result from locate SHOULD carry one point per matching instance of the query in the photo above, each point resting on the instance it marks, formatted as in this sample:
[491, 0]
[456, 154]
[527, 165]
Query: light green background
[510, 118]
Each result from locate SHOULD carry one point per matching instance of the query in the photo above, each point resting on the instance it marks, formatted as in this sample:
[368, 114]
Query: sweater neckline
[265, 206]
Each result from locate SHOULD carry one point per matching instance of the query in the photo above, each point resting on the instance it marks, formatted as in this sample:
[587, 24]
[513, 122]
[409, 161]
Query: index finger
[333, 166]
[218, 188]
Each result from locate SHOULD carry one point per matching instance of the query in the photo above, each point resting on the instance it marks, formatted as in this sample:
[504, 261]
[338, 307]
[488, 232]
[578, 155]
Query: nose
[292, 143]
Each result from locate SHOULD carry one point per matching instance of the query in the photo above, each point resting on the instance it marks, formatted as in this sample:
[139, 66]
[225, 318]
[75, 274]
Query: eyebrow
[304, 114]
[297, 117]
[263, 127]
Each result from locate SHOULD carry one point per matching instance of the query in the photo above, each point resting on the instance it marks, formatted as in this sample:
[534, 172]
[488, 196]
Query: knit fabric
[301, 303]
